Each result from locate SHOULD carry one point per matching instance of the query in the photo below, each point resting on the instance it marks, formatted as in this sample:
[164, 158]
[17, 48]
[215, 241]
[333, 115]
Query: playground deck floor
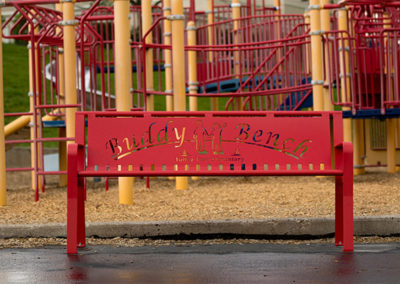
[376, 193]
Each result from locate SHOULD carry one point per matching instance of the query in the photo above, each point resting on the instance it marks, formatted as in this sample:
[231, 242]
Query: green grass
[16, 85]
[16, 79]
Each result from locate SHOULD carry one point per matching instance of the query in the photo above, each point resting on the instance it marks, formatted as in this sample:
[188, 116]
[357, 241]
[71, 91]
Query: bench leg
[338, 210]
[76, 236]
[344, 212]
[72, 216]
[348, 211]
[75, 204]
[81, 213]
[344, 197]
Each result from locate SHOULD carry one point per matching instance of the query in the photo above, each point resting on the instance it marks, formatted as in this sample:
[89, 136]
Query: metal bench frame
[209, 144]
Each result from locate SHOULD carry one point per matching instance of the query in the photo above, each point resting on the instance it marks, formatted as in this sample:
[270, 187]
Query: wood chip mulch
[376, 193]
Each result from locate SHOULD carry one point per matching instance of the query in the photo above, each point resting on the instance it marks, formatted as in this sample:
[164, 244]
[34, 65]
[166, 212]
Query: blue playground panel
[226, 86]
[56, 123]
[134, 68]
[372, 113]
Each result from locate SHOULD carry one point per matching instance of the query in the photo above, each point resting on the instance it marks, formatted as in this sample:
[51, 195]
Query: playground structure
[242, 56]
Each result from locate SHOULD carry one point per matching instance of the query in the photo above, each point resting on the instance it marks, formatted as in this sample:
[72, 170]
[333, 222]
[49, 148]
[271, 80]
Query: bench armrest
[76, 163]
[344, 156]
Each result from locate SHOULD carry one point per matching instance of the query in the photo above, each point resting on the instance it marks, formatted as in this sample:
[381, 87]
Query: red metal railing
[364, 61]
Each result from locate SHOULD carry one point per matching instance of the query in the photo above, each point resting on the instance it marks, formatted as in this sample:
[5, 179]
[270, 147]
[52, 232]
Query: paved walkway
[257, 263]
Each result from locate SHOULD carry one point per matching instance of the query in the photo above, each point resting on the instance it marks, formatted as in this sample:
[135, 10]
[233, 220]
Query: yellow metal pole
[35, 150]
[390, 122]
[359, 146]
[62, 146]
[277, 13]
[169, 100]
[308, 56]
[70, 65]
[178, 51]
[317, 59]
[16, 124]
[211, 40]
[236, 40]
[146, 24]
[178, 61]
[23, 121]
[344, 70]
[123, 71]
[192, 67]
[398, 138]
[391, 144]
[167, 55]
[326, 26]
[210, 22]
[358, 139]
[3, 185]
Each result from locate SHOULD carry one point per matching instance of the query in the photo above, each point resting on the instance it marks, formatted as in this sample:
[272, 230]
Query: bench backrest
[209, 142]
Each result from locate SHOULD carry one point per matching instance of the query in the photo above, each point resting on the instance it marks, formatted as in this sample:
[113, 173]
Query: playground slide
[87, 80]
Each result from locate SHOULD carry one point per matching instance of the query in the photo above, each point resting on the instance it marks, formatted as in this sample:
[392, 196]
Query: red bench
[209, 144]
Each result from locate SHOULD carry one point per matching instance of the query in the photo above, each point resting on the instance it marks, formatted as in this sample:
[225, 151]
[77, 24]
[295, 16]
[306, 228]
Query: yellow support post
[359, 146]
[398, 138]
[308, 56]
[123, 71]
[192, 67]
[277, 13]
[316, 47]
[277, 7]
[390, 122]
[344, 71]
[146, 24]
[33, 75]
[70, 64]
[178, 61]
[167, 54]
[169, 100]
[69, 48]
[326, 26]
[278, 31]
[236, 40]
[358, 142]
[211, 41]
[391, 145]
[62, 146]
[15, 124]
[3, 185]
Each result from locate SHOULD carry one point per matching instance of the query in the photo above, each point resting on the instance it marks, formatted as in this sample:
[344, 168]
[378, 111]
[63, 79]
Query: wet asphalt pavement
[249, 263]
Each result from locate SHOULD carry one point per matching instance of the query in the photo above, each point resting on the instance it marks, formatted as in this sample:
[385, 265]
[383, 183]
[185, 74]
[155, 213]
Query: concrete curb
[363, 226]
